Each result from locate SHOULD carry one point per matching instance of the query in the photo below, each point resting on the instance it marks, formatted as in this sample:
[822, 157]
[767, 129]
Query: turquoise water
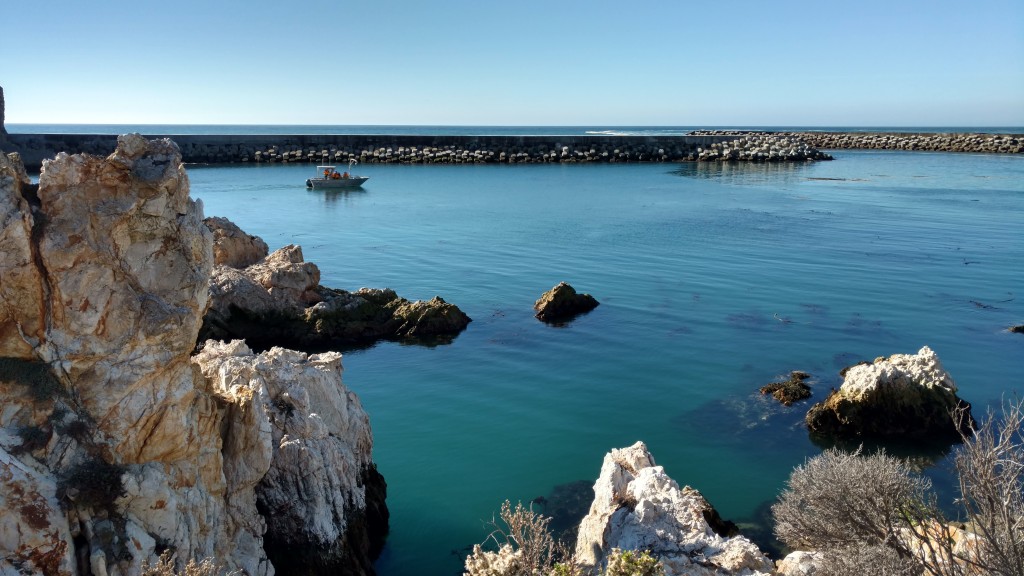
[713, 280]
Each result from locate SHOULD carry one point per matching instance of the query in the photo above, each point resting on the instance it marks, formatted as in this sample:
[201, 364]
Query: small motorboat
[329, 177]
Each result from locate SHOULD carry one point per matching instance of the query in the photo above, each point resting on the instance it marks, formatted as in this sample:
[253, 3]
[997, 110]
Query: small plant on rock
[165, 566]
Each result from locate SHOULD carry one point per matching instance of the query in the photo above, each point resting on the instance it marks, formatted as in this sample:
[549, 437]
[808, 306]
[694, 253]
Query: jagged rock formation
[562, 303]
[278, 301]
[307, 441]
[3, 130]
[232, 247]
[639, 507]
[114, 446]
[902, 396]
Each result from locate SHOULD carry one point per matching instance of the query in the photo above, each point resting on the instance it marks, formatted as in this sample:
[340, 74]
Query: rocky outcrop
[232, 247]
[278, 301]
[902, 396]
[3, 129]
[791, 390]
[639, 507]
[307, 442]
[562, 303]
[114, 446]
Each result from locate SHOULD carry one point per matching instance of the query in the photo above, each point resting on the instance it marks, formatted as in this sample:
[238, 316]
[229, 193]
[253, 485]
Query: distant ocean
[416, 130]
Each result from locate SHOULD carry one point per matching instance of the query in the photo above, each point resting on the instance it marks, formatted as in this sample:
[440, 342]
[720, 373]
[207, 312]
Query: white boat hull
[350, 182]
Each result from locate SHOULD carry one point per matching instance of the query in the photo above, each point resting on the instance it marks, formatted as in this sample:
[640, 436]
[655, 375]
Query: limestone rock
[563, 303]
[800, 563]
[22, 285]
[233, 247]
[905, 396]
[639, 507]
[278, 302]
[318, 487]
[104, 281]
[34, 534]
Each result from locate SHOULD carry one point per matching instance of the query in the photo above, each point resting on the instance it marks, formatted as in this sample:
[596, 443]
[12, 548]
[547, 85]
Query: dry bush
[527, 548]
[839, 500]
[865, 559]
[990, 467]
[851, 506]
[165, 566]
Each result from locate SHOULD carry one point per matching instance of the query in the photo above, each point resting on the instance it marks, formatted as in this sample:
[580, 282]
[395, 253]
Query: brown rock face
[562, 303]
[233, 247]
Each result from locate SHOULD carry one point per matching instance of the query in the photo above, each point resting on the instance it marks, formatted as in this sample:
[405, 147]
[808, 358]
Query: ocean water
[713, 280]
[286, 129]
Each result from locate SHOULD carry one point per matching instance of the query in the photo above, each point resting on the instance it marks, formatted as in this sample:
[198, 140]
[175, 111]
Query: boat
[329, 177]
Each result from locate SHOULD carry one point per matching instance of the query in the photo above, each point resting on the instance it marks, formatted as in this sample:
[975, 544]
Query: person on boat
[327, 173]
[345, 175]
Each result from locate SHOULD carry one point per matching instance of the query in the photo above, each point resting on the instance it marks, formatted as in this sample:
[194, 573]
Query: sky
[527, 62]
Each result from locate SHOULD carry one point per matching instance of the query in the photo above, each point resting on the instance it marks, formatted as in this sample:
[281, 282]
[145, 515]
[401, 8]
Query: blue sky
[527, 62]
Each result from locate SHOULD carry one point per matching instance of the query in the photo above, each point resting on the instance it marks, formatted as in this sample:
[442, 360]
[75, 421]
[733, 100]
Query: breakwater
[337, 149]
[928, 141]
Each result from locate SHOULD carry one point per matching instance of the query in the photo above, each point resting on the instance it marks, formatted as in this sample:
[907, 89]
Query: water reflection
[745, 173]
[336, 196]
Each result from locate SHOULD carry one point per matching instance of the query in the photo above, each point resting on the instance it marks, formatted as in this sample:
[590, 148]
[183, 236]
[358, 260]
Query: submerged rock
[637, 506]
[278, 301]
[903, 396]
[563, 303]
[791, 390]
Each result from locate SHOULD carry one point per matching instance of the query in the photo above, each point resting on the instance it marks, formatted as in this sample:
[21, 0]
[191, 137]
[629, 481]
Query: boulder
[278, 301]
[637, 506]
[902, 396]
[232, 247]
[562, 303]
[800, 563]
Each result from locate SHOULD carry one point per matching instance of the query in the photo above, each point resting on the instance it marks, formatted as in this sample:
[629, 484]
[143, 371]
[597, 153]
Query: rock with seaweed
[904, 396]
[278, 301]
[562, 303]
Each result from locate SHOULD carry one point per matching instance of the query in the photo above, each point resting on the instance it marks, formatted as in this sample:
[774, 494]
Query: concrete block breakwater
[934, 142]
[337, 149]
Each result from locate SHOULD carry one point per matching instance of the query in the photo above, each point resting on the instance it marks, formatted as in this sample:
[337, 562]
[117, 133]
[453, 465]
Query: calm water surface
[713, 280]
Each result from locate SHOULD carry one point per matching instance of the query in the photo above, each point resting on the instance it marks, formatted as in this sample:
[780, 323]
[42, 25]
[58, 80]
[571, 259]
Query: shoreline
[378, 148]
